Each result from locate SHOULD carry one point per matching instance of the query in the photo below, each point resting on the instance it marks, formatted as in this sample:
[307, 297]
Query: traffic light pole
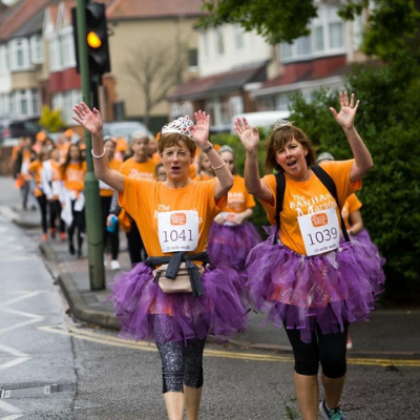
[93, 207]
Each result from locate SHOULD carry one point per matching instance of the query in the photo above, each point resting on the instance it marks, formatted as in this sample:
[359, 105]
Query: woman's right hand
[249, 136]
[89, 119]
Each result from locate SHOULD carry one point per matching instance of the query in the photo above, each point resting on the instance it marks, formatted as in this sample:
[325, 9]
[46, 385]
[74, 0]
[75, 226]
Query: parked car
[12, 129]
[123, 129]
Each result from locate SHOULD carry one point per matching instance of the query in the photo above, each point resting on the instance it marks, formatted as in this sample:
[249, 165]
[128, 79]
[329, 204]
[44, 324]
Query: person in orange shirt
[51, 186]
[161, 172]
[106, 193]
[204, 168]
[174, 218]
[139, 166]
[231, 235]
[306, 276]
[35, 170]
[73, 173]
[39, 143]
[63, 145]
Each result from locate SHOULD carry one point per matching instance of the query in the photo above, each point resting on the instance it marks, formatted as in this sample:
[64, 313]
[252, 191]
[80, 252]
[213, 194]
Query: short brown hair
[282, 136]
[171, 139]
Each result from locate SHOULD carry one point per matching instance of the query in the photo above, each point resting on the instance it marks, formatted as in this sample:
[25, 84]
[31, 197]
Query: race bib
[320, 231]
[178, 230]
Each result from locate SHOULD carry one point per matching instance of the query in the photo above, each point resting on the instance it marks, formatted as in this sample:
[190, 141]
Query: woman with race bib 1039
[174, 219]
[306, 276]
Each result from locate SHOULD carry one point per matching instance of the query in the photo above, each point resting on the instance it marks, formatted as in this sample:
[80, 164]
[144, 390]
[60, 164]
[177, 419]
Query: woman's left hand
[200, 131]
[345, 118]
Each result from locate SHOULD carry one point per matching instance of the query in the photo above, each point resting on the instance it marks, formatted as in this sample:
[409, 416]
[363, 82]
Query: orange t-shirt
[239, 199]
[35, 168]
[203, 177]
[143, 199]
[144, 170]
[156, 158]
[310, 196]
[115, 165]
[193, 172]
[351, 205]
[74, 177]
[63, 149]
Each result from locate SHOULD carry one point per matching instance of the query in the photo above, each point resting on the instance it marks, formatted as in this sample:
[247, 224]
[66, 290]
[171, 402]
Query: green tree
[51, 120]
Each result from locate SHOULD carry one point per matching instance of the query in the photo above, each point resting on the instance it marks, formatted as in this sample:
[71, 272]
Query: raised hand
[347, 111]
[249, 136]
[89, 119]
[200, 131]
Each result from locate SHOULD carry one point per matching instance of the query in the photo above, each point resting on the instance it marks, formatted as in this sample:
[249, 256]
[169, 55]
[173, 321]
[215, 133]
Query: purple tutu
[298, 291]
[229, 246]
[363, 238]
[146, 313]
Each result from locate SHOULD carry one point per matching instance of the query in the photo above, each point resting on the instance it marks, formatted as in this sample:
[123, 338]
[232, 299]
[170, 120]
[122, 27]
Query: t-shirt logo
[178, 219]
[319, 219]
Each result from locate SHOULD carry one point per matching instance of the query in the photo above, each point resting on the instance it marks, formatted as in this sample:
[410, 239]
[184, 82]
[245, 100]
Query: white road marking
[9, 408]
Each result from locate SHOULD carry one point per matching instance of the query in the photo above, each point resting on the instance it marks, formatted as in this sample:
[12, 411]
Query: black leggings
[182, 365]
[80, 223]
[329, 350]
[55, 215]
[135, 244]
[113, 237]
[42, 201]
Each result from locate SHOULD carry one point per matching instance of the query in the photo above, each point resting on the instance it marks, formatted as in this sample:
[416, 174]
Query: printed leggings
[328, 349]
[182, 364]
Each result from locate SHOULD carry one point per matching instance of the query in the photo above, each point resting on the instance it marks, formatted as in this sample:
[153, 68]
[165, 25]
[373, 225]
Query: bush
[51, 120]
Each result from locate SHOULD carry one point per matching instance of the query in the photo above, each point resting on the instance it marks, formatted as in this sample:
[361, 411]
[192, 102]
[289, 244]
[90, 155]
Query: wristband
[208, 148]
[99, 156]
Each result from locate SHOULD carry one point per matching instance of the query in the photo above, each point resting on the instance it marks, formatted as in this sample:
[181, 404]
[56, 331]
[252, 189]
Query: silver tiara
[181, 125]
[282, 123]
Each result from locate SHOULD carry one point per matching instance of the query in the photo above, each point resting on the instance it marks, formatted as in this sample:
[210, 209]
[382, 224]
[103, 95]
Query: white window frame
[236, 105]
[19, 45]
[4, 59]
[37, 53]
[327, 15]
[219, 42]
[55, 56]
[239, 38]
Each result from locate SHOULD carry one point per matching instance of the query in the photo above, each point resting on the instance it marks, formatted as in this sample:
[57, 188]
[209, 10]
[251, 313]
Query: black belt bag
[178, 274]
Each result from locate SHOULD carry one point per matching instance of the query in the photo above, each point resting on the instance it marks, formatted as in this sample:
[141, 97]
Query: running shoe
[62, 236]
[335, 414]
[115, 265]
[349, 343]
[44, 237]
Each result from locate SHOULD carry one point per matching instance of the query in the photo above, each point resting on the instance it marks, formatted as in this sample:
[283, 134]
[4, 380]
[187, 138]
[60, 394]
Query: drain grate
[34, 391]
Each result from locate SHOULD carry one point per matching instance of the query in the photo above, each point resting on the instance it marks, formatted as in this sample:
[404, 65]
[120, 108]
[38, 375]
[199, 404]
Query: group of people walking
[206, 265]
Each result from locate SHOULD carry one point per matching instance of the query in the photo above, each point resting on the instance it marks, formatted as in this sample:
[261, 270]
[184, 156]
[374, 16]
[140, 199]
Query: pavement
[390, 334]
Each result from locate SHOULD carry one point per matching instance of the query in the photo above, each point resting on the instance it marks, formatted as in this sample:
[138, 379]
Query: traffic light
[96, 39]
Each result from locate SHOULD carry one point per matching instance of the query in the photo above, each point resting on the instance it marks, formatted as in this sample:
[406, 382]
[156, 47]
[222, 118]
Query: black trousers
[79, 223]
[55, 215]
[328, 349]
[110, 237]
[42, 202]
[135, 245]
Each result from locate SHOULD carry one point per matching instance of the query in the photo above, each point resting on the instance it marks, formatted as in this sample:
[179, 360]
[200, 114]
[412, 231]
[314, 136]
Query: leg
[332, 354]
[134, 242]
[193, 381]
[306, 373]
[42, 201]
[81, 227]
[105, 203]
[70, 231]
[115, 243]
[173, 361]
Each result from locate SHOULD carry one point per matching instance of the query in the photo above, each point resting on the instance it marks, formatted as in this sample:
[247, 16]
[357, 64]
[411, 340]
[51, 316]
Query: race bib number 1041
[178, 230]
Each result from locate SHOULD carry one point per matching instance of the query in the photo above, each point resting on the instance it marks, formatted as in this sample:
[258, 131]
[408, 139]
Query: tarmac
[392, 333]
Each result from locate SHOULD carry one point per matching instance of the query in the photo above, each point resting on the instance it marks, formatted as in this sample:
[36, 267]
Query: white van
[265, 119]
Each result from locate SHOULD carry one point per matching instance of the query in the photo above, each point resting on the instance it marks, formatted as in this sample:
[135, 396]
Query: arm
[250, 139]
[345, 118]
[356, 223]
[91, 120]
[200, 132]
